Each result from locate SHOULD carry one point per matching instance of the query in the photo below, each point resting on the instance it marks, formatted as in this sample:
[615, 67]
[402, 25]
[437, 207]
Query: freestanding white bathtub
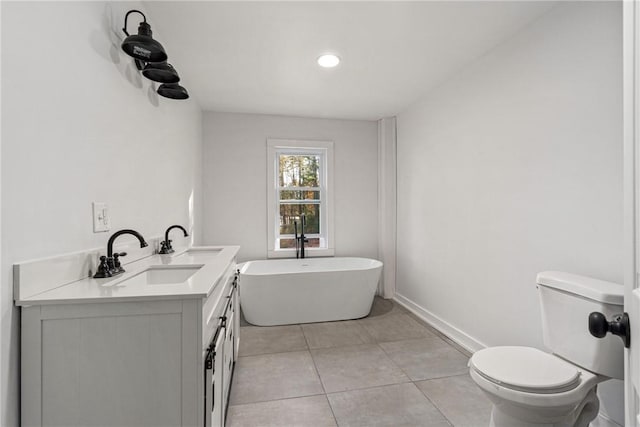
[288, 291]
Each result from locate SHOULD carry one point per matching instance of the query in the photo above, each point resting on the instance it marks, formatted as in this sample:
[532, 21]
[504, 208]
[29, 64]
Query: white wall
[79, 125]
[512, 167]
[235, 172]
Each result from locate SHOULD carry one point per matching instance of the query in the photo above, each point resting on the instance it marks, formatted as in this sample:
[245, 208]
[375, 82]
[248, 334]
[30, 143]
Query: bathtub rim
[242, 267]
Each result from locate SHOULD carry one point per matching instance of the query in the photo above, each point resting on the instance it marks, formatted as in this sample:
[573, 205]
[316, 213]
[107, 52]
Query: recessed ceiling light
[328, 61]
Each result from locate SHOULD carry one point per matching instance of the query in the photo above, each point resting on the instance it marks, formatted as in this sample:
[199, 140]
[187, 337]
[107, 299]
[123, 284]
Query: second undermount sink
[162, 275]
[197, 255]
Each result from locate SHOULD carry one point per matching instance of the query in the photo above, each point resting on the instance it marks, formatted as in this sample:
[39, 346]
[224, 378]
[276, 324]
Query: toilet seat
[525, 369]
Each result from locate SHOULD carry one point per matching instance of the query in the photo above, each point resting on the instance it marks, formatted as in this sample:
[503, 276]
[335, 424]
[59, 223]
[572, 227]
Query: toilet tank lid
[594, 289]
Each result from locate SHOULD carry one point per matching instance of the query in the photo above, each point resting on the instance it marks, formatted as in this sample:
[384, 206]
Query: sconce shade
[151, 58]
[143, 47]
[173, 91]
[161, 72]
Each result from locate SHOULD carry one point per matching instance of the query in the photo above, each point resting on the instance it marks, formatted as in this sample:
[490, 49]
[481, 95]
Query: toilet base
[512, 416]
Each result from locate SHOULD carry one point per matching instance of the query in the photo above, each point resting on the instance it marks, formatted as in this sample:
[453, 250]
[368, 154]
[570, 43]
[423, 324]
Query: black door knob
[619, 325]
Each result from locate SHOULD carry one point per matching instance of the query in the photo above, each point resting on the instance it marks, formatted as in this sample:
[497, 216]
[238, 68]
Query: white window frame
[324, 149]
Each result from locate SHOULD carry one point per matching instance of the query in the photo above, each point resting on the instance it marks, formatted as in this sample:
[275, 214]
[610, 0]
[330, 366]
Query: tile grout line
[406, 373]
[369, 388]
[394, 362]
[315, 367]
[278, 399]
[277, 351]
[433, 403]
[305, 338]
[271, 354]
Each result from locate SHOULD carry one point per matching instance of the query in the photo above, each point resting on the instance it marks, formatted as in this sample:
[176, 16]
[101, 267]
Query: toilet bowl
[530, 387]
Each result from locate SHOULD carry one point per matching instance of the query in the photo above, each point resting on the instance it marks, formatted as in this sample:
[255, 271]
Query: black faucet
[165, 247]
[300, 240]
[110, 264]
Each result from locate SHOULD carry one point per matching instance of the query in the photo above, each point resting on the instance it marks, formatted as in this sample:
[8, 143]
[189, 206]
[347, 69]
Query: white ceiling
[260, 57]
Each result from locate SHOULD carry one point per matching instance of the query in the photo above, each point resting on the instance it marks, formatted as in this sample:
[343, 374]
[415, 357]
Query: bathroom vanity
[153, 346]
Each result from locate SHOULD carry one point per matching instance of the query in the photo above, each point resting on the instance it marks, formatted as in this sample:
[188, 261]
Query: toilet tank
[566, 300]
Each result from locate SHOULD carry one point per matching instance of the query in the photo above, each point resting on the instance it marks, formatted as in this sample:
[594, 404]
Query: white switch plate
[101, 219]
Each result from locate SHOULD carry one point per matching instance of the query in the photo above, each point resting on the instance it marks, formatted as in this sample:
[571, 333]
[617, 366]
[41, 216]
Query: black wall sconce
[151, 58]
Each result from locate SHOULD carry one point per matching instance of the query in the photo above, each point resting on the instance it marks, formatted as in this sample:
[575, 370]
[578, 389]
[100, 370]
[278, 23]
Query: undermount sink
[162, 275]
[197, 255]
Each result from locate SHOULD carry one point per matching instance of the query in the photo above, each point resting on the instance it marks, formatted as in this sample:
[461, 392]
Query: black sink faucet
[114, 236]
[165, 247]
[110, 264]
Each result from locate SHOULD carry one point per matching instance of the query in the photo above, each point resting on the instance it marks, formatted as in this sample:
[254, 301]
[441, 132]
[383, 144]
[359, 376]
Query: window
[300, 183]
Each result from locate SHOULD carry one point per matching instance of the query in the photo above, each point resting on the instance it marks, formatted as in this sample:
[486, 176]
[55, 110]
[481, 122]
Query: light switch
[101, 220]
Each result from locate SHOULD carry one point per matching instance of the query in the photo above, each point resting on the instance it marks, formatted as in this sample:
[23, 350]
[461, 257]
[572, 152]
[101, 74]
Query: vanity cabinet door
[214, 373]
[236, 323]
[228, 351]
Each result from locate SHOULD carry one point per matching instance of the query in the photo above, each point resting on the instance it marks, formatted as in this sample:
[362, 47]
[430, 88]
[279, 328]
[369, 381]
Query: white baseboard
[456, 335]
[469, 343]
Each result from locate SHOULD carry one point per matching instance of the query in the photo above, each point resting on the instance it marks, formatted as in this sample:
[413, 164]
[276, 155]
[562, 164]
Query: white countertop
[112, 289]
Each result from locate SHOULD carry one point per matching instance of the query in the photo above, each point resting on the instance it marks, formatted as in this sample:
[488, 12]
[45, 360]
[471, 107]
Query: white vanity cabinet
[162, 361]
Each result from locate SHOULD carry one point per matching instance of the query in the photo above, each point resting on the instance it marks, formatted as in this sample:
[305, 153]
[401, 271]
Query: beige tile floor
[388, 369]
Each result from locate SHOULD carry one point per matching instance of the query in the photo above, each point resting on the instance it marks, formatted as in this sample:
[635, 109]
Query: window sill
[308, 253]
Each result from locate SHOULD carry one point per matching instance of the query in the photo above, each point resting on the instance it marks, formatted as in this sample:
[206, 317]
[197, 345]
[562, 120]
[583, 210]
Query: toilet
[530, 387]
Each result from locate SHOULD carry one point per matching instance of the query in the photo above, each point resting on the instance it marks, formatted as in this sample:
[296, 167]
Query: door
[631, 80]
